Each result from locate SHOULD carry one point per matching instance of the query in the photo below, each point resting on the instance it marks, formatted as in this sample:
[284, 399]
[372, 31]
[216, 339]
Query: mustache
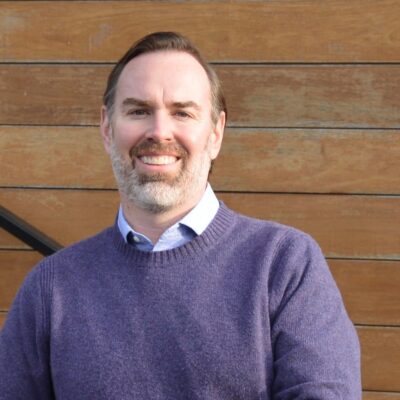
[156, 147]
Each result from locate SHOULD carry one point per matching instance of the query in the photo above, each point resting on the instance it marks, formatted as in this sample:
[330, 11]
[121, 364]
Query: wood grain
[64, 215]
[345, 226]
[338, 30]
[51, 94]
[370, 290]
[14, 266]
[334, 220]
[253, 160]
[2, 319]
[9, 241]
[380, 358]
[54, 157]
[332, 96]
[380, 396]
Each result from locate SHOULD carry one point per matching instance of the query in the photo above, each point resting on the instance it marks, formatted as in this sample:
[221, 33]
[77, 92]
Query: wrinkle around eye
[185, 115]
[139, 113]
[182, 114]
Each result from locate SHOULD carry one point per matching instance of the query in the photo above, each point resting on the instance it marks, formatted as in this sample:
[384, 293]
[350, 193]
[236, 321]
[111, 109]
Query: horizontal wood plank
[54, 157]
[370, 290]
[51, 94]
[380, 396]
[380, 358]
[2, 319]
[312, 96]
[334, 220]
[345, 226]
[64, 215]
[338, 30]
[254, 160]
[8, 241]
[333, 96]
[14, 266]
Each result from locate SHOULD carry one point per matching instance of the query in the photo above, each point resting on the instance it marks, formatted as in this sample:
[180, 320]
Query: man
[182, 298]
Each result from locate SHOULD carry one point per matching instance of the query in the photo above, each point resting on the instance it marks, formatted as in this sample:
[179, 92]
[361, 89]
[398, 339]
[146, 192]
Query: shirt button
[136, 239]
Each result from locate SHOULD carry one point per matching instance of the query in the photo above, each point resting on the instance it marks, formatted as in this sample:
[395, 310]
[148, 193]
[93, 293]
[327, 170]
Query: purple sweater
[247, 310]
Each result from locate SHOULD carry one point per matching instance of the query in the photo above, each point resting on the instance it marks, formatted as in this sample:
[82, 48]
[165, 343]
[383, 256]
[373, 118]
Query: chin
[156, 197]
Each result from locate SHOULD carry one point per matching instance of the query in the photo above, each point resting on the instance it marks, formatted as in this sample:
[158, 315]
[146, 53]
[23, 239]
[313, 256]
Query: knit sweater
[246, 310]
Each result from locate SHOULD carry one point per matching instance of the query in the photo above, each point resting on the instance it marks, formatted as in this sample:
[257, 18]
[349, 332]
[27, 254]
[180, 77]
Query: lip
[155, 162]
[157, 154]
[158, 159]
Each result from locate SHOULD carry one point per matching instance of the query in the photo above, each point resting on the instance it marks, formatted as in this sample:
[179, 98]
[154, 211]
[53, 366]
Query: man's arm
[24, 350]
[316, 349]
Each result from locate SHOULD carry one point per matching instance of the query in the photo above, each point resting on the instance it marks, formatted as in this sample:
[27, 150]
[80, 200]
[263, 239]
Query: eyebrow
[186, 104]
[132, 101]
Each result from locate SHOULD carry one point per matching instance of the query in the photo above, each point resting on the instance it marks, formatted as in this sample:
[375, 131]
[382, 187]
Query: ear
[216, 136]
[105, 129]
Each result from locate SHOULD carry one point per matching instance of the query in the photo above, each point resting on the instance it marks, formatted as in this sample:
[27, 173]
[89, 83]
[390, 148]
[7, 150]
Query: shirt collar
[197, 219]
[203, 213]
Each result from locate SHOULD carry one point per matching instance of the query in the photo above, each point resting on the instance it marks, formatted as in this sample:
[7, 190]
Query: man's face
[160, 135]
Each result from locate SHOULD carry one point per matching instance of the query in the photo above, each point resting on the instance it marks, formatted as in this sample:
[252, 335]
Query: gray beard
[159, 193]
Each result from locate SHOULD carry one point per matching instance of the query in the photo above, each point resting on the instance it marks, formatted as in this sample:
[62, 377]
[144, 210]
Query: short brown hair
[159, 41]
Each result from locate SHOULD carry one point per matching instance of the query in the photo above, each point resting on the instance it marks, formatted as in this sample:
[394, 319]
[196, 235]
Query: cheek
[126, 136]
[195, 139]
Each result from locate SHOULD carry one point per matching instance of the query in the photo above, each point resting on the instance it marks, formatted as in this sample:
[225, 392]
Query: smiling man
[182, 298]
[161, 132]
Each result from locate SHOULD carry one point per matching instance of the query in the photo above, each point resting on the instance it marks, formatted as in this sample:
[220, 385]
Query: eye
[182, 114]
[138, 112]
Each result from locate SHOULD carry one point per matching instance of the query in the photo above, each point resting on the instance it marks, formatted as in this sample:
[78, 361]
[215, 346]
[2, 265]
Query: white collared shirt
[191, 225]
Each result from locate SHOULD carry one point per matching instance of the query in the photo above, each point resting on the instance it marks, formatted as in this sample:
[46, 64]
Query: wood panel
[313, 96]
[338, 30]
[380, 358]
[334, 220]
[319, 161]
[2, 319]
[54, 157]
[51, 94]
[380, 396]
[277, 160]
[370, 289]
[331, 96]
[14, 265]
[64, 215]
[9, 241]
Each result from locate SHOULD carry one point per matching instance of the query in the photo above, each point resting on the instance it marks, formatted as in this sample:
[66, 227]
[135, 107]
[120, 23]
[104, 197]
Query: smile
[158, 160]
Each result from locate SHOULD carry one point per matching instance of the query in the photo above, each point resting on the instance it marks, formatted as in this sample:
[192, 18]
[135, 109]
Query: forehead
[164, 75]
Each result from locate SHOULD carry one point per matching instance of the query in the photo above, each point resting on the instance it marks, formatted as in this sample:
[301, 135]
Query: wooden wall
[313, 90]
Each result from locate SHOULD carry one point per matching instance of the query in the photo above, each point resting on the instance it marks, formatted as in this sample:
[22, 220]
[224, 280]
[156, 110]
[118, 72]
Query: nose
[160, 127]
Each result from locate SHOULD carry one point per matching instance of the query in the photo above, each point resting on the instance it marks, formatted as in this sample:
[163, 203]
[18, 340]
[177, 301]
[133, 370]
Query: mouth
[151, 157]
[158, 159]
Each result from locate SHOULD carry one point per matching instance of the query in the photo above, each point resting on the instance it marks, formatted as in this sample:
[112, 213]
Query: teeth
[158, 160]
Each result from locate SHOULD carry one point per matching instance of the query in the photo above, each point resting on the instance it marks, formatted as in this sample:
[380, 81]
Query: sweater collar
[219, 226]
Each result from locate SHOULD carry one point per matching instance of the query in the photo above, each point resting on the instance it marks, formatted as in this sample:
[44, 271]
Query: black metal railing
[27, 233]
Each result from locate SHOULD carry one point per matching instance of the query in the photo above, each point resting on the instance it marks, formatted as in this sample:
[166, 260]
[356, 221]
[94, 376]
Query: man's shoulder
[85, 249]
[267, 228]
[274, 239]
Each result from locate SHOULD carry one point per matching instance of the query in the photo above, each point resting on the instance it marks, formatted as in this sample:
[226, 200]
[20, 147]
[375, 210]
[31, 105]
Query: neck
[153, 225]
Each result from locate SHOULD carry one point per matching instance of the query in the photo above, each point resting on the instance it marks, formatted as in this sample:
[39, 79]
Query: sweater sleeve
[316, 349]
[24, 347]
